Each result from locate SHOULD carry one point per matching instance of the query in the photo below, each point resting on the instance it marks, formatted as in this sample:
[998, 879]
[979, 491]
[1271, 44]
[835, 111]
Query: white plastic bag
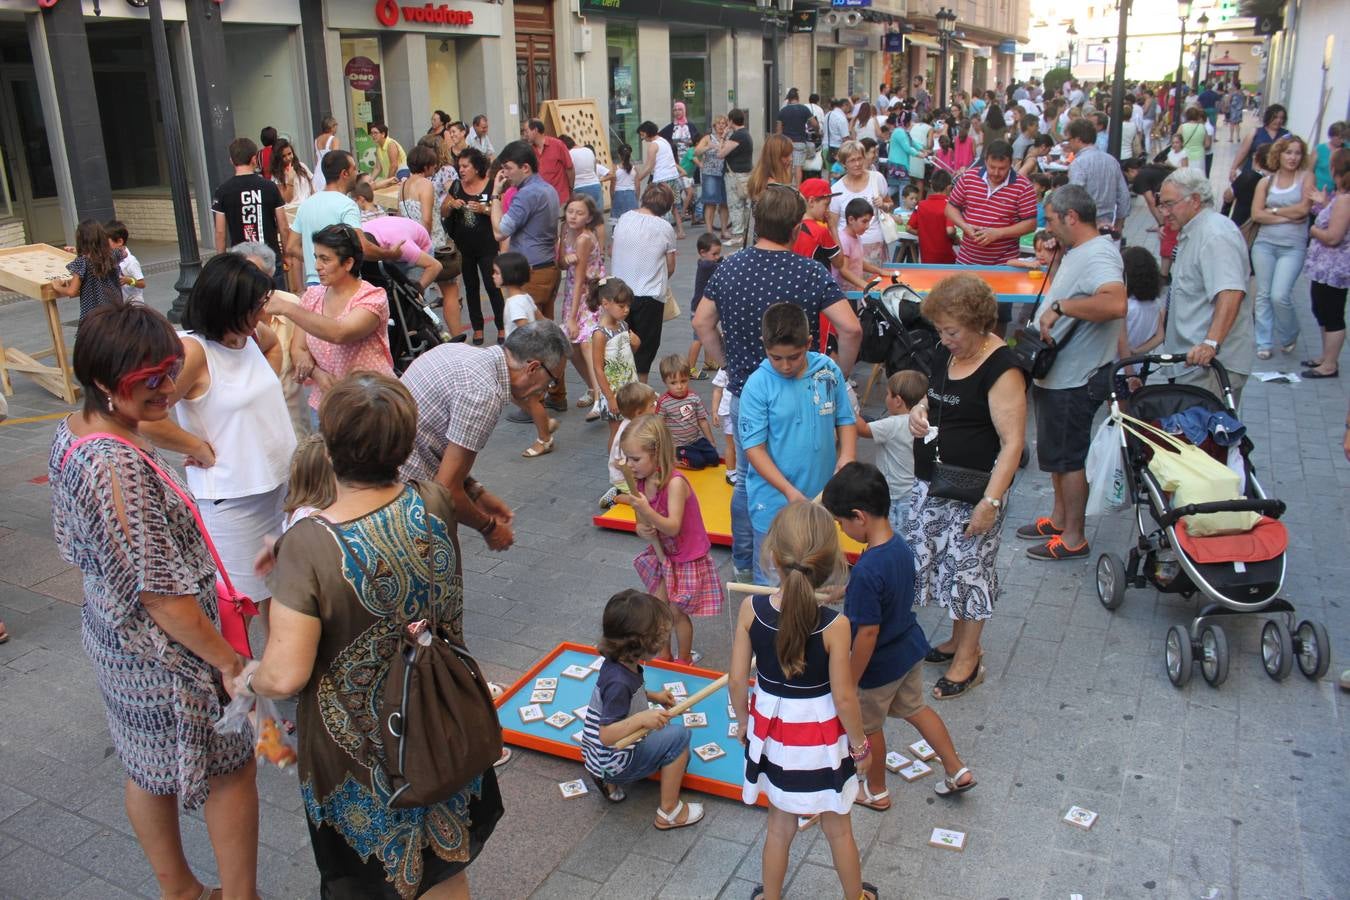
[275, 740]
[1107, 488]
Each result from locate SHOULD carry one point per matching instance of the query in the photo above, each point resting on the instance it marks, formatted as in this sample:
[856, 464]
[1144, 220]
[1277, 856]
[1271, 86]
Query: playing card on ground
[922, 750]
[676, 688]
[561, 719]
[572, 789]
[695, 720]
[1080, 818]
[545, 684]
[580, 711]
[895, 762]
[577, 736]
[914, 771]
[578, 672]
[542, 696]
[709, 752]
[947, 839]
[597, 663]
[733, 729]
[531, 713]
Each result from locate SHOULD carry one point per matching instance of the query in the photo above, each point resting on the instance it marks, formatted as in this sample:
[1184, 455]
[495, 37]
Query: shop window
[624, 113]
[443, 76]
[364, 80]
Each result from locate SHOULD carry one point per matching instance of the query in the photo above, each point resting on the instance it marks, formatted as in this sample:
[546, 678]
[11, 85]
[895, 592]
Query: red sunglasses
[153, 376]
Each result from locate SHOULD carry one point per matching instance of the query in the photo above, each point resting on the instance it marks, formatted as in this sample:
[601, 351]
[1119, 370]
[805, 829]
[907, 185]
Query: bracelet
[489, 527]
[248, 682]
[860, 753]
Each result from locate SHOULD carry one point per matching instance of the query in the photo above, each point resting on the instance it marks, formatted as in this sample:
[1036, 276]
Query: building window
[443, 76]
[624, 113]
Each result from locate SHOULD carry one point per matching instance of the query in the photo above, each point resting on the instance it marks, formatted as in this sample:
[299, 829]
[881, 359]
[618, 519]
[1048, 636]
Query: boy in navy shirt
[888, 644]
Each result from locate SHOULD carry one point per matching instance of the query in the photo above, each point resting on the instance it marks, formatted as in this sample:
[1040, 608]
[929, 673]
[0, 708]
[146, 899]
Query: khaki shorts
[900, 699]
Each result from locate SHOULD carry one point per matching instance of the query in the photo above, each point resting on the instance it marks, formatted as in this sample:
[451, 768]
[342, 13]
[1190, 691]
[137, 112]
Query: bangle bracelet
[861, 751]
[248, 682]
[488, 527]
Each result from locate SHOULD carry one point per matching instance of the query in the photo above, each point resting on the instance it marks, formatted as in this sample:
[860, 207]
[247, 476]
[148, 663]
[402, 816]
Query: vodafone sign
[388, 13]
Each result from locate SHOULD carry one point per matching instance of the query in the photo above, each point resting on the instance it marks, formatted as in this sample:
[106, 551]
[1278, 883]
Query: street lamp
[1106, 42]
[1199, 48]
[1183, 13]
[946, 24]
[1072, 33]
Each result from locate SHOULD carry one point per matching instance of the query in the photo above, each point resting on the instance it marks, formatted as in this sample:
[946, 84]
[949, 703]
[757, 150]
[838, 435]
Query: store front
[625, 112]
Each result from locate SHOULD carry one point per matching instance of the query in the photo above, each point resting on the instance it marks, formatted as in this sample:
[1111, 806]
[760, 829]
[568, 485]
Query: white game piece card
[545, 684]
[561, 719]
[577, 672]
[676, 688]
[572, 789]
[580, 712]
[709, 752]
[948, 839]
[731, 711]
[577, 736]
[914, 771]
[542, 695]
[652, 704]
[596, 664]
[895, 762]
[734, 729]
[1080, 818]
[531, 713]
[695, 720]
[921, 749]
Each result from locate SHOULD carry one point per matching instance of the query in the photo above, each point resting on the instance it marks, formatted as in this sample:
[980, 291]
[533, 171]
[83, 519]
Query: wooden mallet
[679, 708]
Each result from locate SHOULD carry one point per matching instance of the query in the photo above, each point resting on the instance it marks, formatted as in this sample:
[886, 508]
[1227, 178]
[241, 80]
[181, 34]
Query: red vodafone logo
[387, 13]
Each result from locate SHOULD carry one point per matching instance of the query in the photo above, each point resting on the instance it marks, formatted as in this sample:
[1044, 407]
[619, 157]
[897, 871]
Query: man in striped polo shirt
[993, 206]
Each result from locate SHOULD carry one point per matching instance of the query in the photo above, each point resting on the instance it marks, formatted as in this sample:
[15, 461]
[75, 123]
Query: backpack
[438, 723]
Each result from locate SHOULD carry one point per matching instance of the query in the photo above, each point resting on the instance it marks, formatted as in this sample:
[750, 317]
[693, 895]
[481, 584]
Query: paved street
[1201, 793]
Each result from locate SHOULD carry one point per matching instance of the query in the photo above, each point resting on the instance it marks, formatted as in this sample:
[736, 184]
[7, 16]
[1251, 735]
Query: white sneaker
[607, 498]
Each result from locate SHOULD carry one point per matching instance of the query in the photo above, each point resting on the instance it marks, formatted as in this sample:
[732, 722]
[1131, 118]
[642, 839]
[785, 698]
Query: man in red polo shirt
[555, 162]
[994, 207]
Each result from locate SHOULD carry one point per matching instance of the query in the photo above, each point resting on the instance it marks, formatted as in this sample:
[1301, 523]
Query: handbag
[438, 723]
[234, 608]
[672, 309]
[1032, 353]
[890, 231]
[952, 482]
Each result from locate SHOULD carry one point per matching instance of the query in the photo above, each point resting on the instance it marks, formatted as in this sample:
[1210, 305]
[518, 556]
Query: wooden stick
[737, 587]
[679, 708]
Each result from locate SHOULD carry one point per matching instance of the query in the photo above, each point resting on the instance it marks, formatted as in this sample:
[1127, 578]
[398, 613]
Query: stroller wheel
[1110, 581]
[1313, 647]
[1214, 655]
[1277, 649]
[1178, 656]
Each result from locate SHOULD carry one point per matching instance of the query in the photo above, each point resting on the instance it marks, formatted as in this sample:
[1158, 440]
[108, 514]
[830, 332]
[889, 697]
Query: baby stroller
[894, 335]
[414, 327]
[1236, 574]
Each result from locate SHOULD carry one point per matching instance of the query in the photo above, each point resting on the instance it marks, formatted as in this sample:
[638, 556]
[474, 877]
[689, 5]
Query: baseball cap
[815, 188]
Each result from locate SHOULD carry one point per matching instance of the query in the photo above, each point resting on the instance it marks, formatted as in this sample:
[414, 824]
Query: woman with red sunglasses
[149, 623]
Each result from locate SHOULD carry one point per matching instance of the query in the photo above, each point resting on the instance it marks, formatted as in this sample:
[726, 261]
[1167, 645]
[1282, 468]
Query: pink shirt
[370, 354]
[389, 230]
[851, 249]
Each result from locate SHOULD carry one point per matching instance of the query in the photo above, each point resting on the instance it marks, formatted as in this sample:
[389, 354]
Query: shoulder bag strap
[172, 485]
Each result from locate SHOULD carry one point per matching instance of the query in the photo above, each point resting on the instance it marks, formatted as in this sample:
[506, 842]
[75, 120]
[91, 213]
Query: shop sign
[362, 73]
[893, 42]
[687, 87]
[803, 21]
[845, 4]
[387, 13]
[852, 37]
[1007, 46]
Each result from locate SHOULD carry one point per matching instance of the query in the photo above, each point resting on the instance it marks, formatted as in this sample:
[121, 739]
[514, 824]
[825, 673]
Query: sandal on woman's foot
[503, 759]
[611, 792]
[880, 802]
[1311, 363]
[946, 689]
[757, 892]
[593, 414]
[587, 399]
[478, 338]
[870, 891]
[1264, 354]
[1313, 373]
[939, 656]
[665, 821]
[953, 785]
[1289, 347]
[538, 448]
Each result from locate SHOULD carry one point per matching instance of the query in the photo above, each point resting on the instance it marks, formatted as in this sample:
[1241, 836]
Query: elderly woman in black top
[468, 222]
[977, 406]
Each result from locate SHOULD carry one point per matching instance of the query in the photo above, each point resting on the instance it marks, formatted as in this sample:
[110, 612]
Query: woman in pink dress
[341, 324]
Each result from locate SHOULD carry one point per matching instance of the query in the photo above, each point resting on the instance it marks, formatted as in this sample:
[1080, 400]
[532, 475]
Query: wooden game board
[29, 270]
[580, 119]
[1009, 283]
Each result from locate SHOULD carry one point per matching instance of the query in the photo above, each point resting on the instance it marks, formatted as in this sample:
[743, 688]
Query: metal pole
[1176, 87]
[1113, 132]
[189, 258]
[943, 77]
[1199, 48]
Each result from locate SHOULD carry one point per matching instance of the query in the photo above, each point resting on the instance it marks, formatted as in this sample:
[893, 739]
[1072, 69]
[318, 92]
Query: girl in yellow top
[391, 163]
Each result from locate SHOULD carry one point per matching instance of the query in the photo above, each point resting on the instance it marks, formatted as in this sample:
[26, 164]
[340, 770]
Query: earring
[110, 404]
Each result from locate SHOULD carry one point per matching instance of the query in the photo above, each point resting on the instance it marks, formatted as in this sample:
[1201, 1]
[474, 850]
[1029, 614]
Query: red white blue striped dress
[797, 752]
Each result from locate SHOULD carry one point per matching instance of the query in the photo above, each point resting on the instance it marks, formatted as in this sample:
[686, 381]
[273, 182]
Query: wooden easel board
[580, 119]
[29, 270]
[721, 776]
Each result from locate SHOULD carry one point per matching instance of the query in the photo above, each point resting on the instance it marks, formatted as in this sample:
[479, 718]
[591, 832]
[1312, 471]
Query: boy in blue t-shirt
[888, 644]
[794, 407]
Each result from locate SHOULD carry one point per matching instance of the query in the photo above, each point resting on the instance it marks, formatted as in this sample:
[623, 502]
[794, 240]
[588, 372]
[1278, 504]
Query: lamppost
[1106, 45]
[946, 24]
[1072, 33]
[1183, 13]
[1199, 49]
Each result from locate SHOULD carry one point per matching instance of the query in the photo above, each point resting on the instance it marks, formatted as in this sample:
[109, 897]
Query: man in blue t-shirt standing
[793, 120]
[744, 286]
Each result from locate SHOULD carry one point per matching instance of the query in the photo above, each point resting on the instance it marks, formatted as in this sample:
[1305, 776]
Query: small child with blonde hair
[677, 567]
[904, 389]
[635, 400]
[312, 485]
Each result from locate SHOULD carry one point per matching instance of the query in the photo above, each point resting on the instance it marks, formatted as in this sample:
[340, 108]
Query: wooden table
[29, 270]
[387, 197]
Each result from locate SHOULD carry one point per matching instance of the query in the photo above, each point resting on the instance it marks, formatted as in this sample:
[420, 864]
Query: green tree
[1055, 78]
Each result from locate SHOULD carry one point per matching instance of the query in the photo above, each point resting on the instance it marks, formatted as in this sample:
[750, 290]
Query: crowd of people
[337, 488]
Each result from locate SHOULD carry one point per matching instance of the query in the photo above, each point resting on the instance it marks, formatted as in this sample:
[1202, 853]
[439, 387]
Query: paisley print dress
[395, 565]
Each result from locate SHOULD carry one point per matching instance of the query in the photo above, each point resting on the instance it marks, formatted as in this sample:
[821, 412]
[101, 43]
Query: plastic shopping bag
[276, 743]
[1107, 488]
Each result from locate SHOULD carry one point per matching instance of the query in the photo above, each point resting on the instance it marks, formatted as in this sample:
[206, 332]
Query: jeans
[899, 509]
[737, 201]
[743, 556]
[595, 192]
[762, 575]
[699, 455]
[1277, 268]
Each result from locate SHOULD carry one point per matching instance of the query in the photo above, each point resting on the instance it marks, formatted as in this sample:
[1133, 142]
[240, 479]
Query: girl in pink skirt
[676, 567]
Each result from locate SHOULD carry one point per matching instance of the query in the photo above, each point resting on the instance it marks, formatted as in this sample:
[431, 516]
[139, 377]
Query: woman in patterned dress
[387, 555]
[977, 405]
[149, 622]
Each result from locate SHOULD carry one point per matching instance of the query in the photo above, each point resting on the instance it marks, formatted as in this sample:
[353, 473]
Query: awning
[923, 40]
[1224, 63]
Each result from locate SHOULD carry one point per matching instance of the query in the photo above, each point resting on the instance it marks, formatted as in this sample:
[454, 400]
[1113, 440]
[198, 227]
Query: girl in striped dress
[804, 743]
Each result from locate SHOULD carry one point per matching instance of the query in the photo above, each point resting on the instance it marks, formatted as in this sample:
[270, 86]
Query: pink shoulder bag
[235, 608]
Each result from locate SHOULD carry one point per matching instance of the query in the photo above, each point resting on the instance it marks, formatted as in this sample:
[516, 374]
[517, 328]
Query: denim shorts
[653, 753]
[714, 190]
[899, 509]
[1063, 427]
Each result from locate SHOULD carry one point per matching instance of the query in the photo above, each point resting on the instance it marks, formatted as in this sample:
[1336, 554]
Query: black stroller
[894, 334]
[414, 327]
[1169, 559]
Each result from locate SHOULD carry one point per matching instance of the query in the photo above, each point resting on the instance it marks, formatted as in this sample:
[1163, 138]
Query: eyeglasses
[1166, 205]
[553, 380]
[154, 381]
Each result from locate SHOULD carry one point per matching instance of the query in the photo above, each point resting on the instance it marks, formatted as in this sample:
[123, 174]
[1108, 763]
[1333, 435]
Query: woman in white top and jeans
[229, 415]
[644, 257]
[590, 172]
[870, 185]
[1281, 206]
[658, 163]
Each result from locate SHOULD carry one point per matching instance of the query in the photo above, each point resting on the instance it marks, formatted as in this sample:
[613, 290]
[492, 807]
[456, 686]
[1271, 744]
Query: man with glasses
[1209, 315]
[461, 391]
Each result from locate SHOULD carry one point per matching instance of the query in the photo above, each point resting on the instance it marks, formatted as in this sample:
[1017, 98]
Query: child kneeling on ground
[888, 644]
[636, 627]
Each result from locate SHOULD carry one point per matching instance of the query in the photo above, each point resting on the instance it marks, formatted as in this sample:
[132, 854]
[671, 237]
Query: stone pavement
[1202, 793]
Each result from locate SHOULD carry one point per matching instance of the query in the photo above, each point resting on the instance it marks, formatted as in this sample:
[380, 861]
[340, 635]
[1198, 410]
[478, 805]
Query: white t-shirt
[585, 166]
[876, 187]
[1141, 320]
[724, 405]
[623, 179]
[896, 459]
[518, 306]
[616, 456]
[131, 266]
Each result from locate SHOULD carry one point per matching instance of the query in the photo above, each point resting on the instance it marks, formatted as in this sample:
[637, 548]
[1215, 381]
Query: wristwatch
[995, 502]
[1058, 310]
[1210, 342]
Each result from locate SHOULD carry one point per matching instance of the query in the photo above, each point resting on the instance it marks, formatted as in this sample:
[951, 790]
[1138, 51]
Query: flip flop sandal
[879, 802]
[666, 821]
[538, 448]
[946, 689]
[950, 786]
[939, 656]
[870, 889]
[504, 758]
[611, 792]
